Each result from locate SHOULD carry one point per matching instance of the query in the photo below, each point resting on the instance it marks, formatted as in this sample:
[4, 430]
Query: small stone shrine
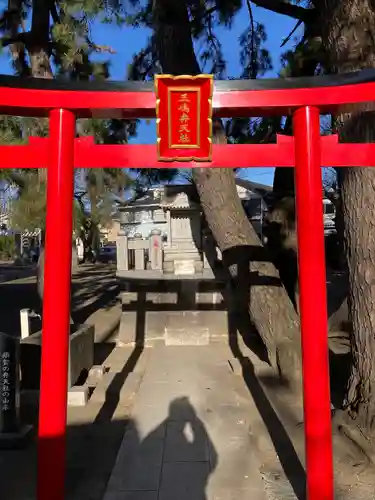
[169, 269]
[183, 249]
[173, 245]
[162, 234]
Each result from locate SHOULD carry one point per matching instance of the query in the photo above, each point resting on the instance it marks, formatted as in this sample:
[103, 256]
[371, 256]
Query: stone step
[116, 385]
[121, 356]
[213, 297]
[172, 327]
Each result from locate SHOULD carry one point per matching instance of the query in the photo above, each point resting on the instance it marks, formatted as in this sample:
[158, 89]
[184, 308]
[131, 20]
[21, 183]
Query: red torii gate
[63, 102]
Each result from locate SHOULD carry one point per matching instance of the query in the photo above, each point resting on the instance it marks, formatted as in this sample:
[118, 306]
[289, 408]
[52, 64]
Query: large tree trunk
[358, 203]
[256, 283]
[271, 310]
[39, 49]
[349, 33]
[281, 233]
[281, 221]
[339, 220]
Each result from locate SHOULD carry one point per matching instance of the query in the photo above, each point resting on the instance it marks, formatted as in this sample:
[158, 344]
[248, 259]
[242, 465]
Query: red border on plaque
[184, 117]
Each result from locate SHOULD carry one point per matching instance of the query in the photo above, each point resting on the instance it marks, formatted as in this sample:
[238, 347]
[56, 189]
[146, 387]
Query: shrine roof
[178, 196]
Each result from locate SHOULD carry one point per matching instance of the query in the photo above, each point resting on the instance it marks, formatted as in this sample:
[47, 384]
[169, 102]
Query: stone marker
[9, 384]
[11, 433]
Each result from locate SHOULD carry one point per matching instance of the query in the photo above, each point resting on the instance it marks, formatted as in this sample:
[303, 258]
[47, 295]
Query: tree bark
[40, 274]
[281, 233]
[349, 33]
[281, 221]
[271, 310]
[358, 201]
[39, 40]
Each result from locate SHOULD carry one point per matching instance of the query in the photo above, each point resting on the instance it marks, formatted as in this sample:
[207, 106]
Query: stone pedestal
[182, 261]
[186, 316]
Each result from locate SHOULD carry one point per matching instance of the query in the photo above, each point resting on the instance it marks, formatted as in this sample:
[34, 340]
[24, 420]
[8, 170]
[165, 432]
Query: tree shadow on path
[240, 323]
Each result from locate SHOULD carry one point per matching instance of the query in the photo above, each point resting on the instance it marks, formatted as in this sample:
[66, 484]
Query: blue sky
[127, 42]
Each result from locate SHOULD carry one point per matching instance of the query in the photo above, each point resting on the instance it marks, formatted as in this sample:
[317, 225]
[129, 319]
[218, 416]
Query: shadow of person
[189, 456]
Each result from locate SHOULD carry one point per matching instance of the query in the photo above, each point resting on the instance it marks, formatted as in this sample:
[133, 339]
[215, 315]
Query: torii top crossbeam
[36, 97]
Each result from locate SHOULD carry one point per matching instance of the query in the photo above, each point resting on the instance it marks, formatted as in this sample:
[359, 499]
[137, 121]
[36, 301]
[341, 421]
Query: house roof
[255, 187]
[172, 195]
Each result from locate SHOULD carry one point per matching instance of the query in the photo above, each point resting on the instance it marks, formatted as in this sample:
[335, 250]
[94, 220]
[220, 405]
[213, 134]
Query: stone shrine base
[81, 356]
[16, 440]
[183, 311]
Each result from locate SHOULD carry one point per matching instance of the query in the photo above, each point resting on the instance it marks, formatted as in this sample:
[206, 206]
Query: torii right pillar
[313, 304]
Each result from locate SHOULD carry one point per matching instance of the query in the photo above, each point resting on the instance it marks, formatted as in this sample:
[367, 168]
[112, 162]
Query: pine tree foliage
[54, 40]
[59, 44]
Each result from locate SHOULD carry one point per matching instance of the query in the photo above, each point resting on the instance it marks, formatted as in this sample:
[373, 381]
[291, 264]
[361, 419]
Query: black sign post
[9, 384]
[12, 434]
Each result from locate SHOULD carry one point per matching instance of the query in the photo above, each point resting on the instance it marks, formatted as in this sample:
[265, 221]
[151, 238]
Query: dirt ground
[92, 442]
[94, 288]
[354, 474]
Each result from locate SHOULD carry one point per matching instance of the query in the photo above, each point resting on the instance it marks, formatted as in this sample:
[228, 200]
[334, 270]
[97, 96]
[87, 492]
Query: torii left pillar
[56, 307]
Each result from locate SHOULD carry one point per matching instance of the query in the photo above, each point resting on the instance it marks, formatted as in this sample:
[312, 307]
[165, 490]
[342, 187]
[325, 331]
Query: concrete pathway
[190, 435]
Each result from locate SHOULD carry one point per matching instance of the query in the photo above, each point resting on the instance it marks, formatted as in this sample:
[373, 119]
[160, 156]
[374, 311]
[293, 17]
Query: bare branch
[102, 48]
[54, 14]
[286, 40]
[17, 38]
[79, 195]
[286, 9]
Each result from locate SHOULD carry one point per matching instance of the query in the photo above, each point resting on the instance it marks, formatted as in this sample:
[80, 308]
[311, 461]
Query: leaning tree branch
[253, 55]
[286, 9]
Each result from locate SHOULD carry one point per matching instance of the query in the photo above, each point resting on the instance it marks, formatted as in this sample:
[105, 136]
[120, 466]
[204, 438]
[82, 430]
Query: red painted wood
[313, 305]
[90, 155]
[56, 307]
[33, 102]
